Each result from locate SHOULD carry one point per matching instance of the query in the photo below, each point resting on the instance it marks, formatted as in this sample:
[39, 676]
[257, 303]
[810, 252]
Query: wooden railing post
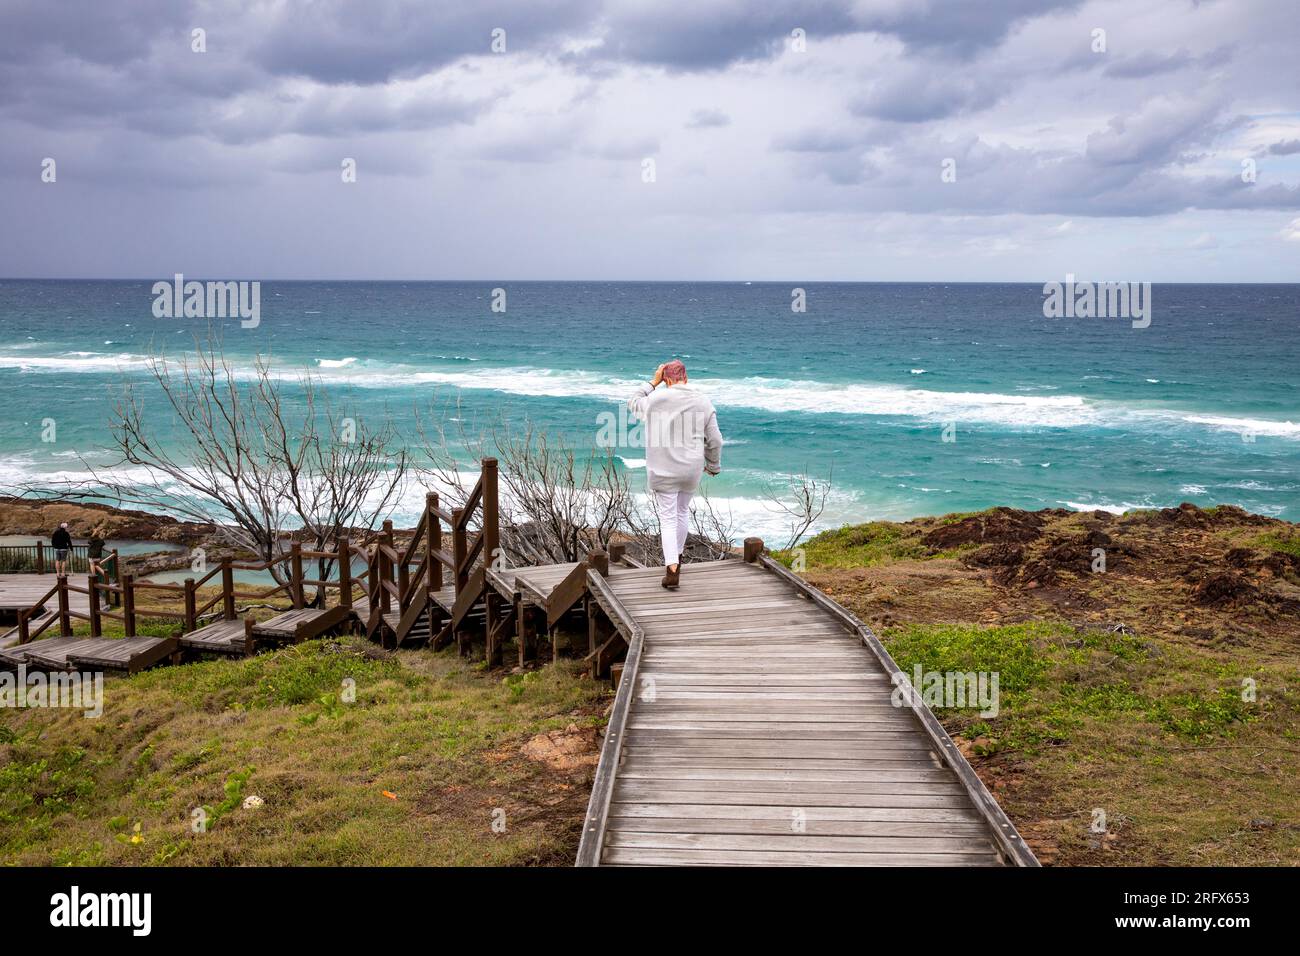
[114, 598]
[403, 583]
[227, 589]
[345, 573]
[128, 604]
[65, 620]
[491, 513]
[753, 549]
[296, 591]
[598, 561]
[92, 585]
[24, 627]
[385, 567]
[433, 534]
[40, 557]
[191, 606]
[459, 549]
[616, 551]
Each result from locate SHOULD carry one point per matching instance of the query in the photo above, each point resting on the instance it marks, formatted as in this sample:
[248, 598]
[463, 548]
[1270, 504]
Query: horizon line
[782, 282]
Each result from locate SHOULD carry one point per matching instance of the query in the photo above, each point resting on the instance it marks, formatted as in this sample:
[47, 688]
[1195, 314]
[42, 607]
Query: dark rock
[1223, 587]
[998, 525]
[996, 555]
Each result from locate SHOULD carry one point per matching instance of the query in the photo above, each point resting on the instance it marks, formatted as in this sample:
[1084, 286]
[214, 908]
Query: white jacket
[681, 436]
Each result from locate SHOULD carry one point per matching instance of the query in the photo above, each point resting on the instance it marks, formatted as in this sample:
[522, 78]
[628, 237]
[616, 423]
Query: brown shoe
[671, 577]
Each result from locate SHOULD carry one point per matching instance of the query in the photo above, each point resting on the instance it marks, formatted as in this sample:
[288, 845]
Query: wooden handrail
[602, 788]
[462, 514]
[416, 535]
[475, 549]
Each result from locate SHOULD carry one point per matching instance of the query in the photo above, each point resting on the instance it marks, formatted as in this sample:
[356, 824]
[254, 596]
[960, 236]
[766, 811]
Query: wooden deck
[536, 584]
[219, 637]
[301, 624]
[129, 654]
[22, 591]
[754, 726]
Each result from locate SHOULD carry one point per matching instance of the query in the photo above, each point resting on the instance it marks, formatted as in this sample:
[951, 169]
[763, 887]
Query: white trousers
[674, 509]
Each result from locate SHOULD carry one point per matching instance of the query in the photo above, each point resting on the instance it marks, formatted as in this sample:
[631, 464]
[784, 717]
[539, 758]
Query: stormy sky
[793, 140]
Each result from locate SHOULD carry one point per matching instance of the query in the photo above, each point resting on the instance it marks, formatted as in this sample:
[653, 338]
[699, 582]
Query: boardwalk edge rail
[1009, 840]
[602, 788]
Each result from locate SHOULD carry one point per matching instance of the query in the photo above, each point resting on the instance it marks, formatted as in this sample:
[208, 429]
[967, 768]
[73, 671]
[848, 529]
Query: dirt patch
[567, 749]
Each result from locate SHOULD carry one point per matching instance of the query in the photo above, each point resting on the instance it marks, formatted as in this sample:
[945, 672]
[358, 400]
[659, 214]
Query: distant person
[682, 442]
[62, 543]
[95, 557]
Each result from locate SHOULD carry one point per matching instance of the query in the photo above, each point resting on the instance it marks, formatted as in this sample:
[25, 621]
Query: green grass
[1055, 680]
[430, 729]
[860, 545]
[1284, 542]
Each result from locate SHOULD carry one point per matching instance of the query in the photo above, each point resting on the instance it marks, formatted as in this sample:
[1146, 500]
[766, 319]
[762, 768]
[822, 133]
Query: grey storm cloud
[708, 119]
[916, 93]
[741, 125]
[1152, 63]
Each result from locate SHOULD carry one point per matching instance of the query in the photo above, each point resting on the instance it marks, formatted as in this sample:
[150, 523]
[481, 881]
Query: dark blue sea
[862, 388]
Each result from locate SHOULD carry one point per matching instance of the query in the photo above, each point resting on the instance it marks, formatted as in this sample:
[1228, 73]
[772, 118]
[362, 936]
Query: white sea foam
[1113, 509]
[75, 362]
[748, 516]
[1248, 426]
[765, 394]
[1192, 490]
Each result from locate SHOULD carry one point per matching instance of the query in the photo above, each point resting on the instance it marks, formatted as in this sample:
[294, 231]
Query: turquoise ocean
[861, 388]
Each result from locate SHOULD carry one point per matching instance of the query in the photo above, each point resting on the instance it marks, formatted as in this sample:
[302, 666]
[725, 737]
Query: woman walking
[682, 442]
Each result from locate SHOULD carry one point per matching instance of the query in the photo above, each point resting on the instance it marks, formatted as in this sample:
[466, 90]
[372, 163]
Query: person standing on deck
[682, 442]
[61, 541]
[95, 557]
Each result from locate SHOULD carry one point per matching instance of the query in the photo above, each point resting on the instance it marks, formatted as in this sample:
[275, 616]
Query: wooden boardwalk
[754, 726]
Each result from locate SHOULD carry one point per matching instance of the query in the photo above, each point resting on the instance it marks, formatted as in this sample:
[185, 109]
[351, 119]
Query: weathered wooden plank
[918, 760]
[973, 828]
[636, 770]
[803, 843]
[794, 798]
[810, 791]
[783, 813]
[640, 856]
[660, 732]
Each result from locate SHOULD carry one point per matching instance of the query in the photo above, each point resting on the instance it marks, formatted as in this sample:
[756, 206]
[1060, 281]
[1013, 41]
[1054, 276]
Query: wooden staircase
[409, 602]
[417, 633]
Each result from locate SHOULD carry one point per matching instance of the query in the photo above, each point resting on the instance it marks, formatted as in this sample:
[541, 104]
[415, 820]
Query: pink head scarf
[675, 372]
